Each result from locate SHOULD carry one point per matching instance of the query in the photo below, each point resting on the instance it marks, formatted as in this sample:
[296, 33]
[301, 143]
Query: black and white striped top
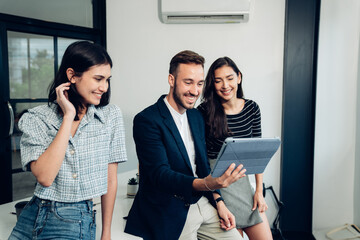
[246, 124]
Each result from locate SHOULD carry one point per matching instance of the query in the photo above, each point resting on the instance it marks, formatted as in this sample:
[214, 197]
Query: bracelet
[207, 186]
[219, 199]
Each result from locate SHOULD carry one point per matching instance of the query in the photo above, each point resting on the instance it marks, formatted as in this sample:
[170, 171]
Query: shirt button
[72, 151]
[74, 175]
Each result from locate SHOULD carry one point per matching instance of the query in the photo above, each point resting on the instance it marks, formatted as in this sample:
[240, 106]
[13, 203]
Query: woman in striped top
[228, 113]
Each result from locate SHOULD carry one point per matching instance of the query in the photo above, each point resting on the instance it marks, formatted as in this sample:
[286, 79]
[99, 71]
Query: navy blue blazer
[165, 191]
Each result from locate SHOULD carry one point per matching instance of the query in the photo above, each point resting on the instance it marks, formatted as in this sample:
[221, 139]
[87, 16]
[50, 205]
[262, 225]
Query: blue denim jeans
[44, 219]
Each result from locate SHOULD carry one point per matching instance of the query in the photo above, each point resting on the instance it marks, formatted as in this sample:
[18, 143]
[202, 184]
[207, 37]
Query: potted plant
[132, 187]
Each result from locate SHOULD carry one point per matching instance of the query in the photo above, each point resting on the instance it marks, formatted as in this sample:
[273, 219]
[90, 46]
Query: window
[78, 13]
[31, 64]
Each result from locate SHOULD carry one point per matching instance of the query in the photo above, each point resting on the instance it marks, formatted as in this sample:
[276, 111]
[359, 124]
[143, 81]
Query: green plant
[132, 181]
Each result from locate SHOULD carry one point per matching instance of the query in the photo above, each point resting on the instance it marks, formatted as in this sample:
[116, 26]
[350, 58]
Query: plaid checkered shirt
[98, 141]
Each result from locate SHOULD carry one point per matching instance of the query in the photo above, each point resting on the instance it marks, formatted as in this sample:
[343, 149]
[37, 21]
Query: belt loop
[32, 199]
[89, 204]
[53, 205]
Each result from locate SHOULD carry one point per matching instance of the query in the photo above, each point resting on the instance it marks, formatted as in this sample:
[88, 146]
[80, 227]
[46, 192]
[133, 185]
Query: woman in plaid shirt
[72, 145]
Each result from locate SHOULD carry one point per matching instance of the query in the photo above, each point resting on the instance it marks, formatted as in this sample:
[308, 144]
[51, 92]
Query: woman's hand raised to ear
[63, 100]
[47, 166]
[210, 183]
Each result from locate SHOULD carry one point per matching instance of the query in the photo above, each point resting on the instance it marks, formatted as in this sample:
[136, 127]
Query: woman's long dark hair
[214, 112]
[80, 56]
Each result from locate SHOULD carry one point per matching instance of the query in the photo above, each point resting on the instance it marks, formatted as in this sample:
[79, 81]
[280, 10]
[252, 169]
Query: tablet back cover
[253, 153]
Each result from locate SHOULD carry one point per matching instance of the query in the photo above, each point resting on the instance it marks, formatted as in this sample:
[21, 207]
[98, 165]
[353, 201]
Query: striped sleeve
[256, 126]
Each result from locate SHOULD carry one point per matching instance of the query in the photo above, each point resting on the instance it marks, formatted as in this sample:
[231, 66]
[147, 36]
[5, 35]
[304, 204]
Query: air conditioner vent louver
[204, 11]
[215, 18]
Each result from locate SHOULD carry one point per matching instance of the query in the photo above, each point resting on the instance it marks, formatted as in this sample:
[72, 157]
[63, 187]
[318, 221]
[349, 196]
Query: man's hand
[210, 183]
[227, 219]
[226, 179]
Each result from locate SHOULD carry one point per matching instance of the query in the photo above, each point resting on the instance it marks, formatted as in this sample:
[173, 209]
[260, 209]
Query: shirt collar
[178, 117]
[95, 111]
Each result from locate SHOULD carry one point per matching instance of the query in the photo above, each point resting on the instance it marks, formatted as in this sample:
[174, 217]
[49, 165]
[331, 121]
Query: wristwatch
[219, 199]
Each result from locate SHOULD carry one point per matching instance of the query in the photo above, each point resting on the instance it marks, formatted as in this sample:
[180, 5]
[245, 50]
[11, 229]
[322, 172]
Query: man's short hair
[186, 57]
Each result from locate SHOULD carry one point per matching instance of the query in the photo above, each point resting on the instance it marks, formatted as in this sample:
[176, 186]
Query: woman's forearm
[47, 166]
[108, 202]
[259, 182]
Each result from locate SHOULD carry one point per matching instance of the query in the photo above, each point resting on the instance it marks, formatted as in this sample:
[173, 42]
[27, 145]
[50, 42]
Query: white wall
[333, 202]
[141, 47]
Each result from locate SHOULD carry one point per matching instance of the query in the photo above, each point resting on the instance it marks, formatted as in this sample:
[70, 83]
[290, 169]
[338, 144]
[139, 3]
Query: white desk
[320, 234]
[121, 209]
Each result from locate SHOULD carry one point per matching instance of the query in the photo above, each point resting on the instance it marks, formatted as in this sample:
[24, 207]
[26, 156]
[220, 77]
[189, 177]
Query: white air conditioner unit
[204, 11]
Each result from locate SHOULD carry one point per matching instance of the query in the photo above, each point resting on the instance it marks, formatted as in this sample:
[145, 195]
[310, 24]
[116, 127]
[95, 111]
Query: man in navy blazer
[176, 193]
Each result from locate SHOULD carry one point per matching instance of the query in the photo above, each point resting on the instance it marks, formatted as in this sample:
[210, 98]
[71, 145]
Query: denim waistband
[88, 204]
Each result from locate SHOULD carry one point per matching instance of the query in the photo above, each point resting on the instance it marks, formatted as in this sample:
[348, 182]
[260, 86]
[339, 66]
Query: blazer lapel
[170, 124]
[198, 143]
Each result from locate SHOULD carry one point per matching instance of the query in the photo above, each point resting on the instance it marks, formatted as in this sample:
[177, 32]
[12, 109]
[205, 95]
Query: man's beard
[177, 98]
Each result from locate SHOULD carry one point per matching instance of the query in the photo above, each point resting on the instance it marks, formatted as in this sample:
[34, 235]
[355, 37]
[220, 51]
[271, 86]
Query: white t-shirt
[182, 124]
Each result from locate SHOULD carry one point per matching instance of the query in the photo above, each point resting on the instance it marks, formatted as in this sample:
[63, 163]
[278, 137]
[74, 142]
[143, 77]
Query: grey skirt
[239, 199]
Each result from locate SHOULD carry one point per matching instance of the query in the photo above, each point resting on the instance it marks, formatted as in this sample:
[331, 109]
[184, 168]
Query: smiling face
[93, 83]
[226, 83]
[186, 86]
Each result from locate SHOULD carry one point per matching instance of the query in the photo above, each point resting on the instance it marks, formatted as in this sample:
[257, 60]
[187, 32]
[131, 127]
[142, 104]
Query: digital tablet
[253, 153]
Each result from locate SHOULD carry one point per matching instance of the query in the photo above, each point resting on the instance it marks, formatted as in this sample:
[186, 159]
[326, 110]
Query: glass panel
[71, 12]
[63, 43]
[23, 182]
[31, 65]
